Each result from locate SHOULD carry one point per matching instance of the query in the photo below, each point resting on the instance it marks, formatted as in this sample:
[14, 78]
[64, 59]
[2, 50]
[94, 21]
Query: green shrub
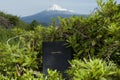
[96, 35]
[33, 75]
[93, 69]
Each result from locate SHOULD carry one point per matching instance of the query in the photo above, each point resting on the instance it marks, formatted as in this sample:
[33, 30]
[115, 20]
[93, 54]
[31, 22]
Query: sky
[28, 7]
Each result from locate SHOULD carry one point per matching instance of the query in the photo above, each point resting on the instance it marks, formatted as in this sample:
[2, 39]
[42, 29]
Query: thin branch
[80, 33]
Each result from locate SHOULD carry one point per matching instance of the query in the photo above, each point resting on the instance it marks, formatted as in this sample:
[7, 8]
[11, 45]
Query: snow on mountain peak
[56, 7]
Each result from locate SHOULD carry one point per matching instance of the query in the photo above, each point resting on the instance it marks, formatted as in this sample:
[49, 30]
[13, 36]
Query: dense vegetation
[95, 40]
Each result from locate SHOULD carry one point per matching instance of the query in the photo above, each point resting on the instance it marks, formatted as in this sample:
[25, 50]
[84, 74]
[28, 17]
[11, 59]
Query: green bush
[33, 75]
[93, 69]
[96, 35]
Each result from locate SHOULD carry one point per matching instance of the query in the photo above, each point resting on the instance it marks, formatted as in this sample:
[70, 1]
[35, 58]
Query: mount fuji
[45, 17]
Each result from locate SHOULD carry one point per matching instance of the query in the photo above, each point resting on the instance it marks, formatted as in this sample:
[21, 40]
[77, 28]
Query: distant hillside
[10, 21]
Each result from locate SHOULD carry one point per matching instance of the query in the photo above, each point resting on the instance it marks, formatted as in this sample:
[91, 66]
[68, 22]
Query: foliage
[54, 75]
[93, 69]
[5, 35]
[9, 21]
[33, 75]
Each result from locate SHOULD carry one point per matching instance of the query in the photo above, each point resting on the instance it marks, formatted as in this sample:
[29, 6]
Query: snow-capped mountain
[56, 7]
[45, 16]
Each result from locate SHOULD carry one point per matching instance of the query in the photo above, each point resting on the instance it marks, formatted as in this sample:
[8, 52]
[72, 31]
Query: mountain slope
[46, 15]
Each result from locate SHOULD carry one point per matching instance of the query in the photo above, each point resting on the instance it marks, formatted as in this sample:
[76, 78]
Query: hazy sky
[29, 7]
